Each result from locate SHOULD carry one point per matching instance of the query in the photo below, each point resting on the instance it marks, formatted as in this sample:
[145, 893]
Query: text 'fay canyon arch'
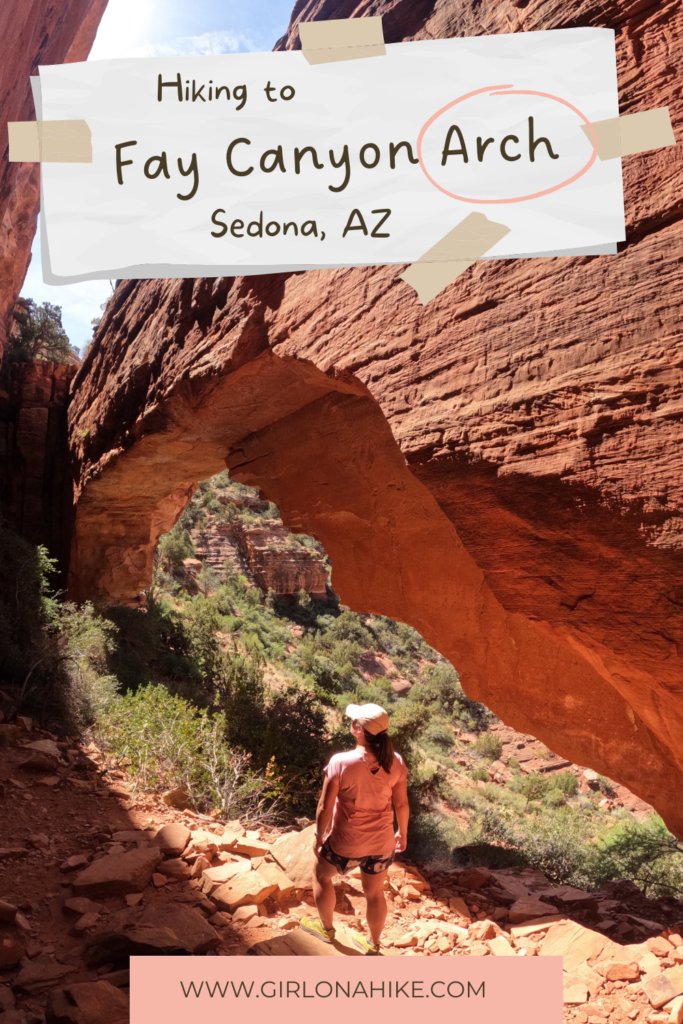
[500, 469]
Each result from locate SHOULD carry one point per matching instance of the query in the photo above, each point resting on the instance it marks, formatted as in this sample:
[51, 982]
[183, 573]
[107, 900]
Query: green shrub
[176, 545]
[566, 782]
[349, 627]
[489, 745]
[429, 842]
[534, 787]
[479, 775]
[165, 743]
[554, 842]
[440, 733]
[26, 606]
[645, 852]
[553, 797]
[513, 764]
[439, 689]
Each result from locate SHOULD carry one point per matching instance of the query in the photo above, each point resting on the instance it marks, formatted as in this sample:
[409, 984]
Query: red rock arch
[501, 469]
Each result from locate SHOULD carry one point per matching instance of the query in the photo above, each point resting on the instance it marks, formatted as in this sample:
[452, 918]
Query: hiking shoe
[369, 948]
[315, 927]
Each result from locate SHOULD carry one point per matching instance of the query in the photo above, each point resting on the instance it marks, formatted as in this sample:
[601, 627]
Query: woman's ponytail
[381, 747]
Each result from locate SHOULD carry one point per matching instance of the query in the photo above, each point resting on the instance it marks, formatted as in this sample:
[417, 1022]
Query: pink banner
[473, 990]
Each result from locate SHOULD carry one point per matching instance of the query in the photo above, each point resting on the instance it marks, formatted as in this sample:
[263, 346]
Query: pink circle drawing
[509, 92]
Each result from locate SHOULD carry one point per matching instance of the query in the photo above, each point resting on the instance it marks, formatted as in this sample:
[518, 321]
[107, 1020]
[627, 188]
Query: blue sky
[156, 28]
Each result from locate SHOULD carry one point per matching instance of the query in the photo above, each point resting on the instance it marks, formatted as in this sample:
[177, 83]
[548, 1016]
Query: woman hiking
[355, 823]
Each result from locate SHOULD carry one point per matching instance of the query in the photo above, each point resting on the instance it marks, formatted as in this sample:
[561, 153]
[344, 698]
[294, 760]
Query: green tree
[176, 545]
[37, 333]
[643, 851]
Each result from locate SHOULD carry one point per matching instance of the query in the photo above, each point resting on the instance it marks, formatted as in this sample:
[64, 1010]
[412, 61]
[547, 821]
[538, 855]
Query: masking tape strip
[325, 42]
[632, 133]
[55, 142]
[451, 256]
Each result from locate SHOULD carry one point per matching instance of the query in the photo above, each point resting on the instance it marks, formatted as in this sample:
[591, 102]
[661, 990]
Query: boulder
[201, 865]
[89, 1002]
[294, 854]
[172, 839]
[40, 762]
[248, 847]
[118, 874]
[664, 987]
[500, 946]
[659, 945]
[573, 942]
[8, 912]
[120, 979]
[245, 913]
[458, 906]
[242, 889]
[85, 923]
[48, 747]
[7, 999]
[272, 873]
[480, 931]
[39, 977]
[75, 862]
[13, 852]
[527, 908]
[214, 877]
[574, 991]
[79, 905]
[675, 1010]
[154, 930]
[535, 927]
[176, 869]
[177, 798]
[474, 878]
[649, 964]
[11, 952]
[567, 897]
[207, 843]
[615, 970]
[9, 734]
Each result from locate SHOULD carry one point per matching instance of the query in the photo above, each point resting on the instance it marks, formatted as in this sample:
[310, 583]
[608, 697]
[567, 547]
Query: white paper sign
[252, 163]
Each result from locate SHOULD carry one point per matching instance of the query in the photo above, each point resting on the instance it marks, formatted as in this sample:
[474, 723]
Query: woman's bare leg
[373, 887]
[323, 891]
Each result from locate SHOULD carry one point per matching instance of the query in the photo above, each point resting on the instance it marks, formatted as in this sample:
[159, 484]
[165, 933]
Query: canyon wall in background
[35, 486]
[33, 32]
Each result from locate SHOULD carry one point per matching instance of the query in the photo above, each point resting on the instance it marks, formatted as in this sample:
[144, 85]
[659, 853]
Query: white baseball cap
[372, 717]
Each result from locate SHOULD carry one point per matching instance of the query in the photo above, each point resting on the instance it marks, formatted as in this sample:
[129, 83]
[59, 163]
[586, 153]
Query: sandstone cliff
[39, 32]
[35, 485]
[262, 553]
[501, 469]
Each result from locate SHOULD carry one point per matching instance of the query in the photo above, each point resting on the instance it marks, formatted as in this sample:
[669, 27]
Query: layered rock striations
[278, 565]
[32, 33]
[501, 468]
[264, 554]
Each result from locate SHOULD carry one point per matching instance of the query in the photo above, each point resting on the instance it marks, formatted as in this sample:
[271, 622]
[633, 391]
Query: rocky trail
[92, 871]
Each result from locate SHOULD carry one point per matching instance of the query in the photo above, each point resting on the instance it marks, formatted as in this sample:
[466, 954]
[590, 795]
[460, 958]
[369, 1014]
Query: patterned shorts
[368, 865]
